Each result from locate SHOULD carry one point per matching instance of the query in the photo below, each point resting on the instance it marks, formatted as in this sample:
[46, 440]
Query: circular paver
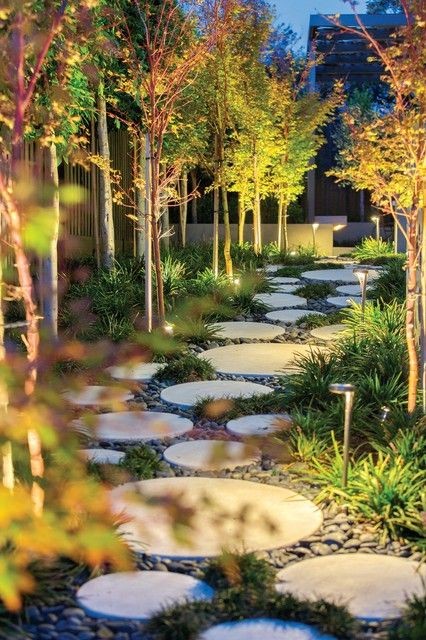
[134, 426]
[140, 372]
[138, 595]
[284, 280]
[290, 316]
[189, 393]
[343, 301]
[272, 268]
[273, 516]
[250, 330]
[349, 290]
[259, 425]
[263, 629]
[210, 455]
[281, 300]
[374, 587]
[336, 275]
[255, 360]
[97, 395]
[330, 332]
[102, 456]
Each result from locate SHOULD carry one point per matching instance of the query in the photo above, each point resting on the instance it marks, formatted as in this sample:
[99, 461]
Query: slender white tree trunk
[105, 190]
[148, 237]
[49, 264]
[140, 199]
[194, 212]
[183, 205]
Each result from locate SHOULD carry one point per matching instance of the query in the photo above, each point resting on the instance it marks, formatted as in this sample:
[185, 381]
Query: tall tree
[387, 156]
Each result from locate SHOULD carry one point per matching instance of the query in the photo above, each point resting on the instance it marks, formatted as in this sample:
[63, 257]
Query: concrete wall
[353, 232]
[298, 235]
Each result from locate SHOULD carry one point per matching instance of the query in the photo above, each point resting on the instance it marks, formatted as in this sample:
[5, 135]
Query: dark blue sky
[296, 12]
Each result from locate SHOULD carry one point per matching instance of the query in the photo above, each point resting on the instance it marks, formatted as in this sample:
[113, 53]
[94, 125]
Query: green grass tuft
[186, 368]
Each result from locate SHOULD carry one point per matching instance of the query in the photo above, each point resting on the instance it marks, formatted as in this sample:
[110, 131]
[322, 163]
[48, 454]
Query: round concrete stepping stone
[284, 280]
[135, 426]
[140, 372]
[330, 332]
[260, 425]
[250, 330]
[343, 301]
[102, 456]
[216, 505]
[188, 394]
[374, 587]
[263, 629]
[336, 275]
[349, 290]
[281, 300]
[272, 268]
[290, 316]
[138, 595]
[210, 455]
[255, 360]
[98, 395]
[286, 288]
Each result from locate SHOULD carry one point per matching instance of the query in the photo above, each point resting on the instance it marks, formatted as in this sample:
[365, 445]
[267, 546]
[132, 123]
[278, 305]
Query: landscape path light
[362, 274]
[376, 220]
[348, 391]
[315, 227]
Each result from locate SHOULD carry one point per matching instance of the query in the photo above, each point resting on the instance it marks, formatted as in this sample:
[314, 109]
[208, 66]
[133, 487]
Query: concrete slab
[336, 275]
[273, 516]
[259, 425]
[98, 395]
[374, 587]
[189, 393]
[343, 301]
[281, 300]
[285, 280]
[256, 360]
[290, 316]
[329, 333]
[211, 455]
[102, 456]
[139, 372]
[286, 288]
[137, 426]
[350, 290]
[263, 629]
[272, 268]
[138, 595]
[250, 330]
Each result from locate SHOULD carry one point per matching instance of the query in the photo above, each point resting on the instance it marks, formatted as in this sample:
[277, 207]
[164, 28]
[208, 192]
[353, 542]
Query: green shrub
[257, 404]
[372, 248]
[316, 290]
[377, 320]
[142, 462]
[232, 570]
[313, 320]
[186, 368]
[412, 625]
[391, 284]
[174, 277]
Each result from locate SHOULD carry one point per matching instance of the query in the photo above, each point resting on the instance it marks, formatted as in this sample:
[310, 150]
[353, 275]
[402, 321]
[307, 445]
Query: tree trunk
[155, 219]
[140, 198]
[8, 475]
[94, 193]
[194, 212]
[49, 265]
[413, 374]
[256, 209]
[216, 204]
[148, 237]
[227, 229]
[285, 226]
[165, 217]
[241, 219]
[280, 223]
[105, 190]
[183, 205]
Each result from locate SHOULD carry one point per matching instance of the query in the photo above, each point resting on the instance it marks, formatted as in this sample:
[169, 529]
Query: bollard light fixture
[168, 328]
[315, 227]
[376, 220]
[348, 391]
[362, 274]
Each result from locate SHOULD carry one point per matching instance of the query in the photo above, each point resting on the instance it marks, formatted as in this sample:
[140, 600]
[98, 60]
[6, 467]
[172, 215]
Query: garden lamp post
[362, 275]
[347, 390]
[376, 221]
[315, 226]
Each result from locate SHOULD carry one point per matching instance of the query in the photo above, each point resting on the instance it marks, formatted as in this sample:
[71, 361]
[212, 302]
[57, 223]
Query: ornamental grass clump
[186, 368]
[372, 248]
